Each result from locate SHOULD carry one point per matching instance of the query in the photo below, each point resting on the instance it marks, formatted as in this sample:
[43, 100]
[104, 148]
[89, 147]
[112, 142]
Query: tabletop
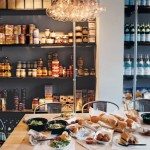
[19, 138]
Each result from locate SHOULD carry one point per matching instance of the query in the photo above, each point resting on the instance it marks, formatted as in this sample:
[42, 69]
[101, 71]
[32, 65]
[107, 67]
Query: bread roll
[118, 117]
[130, 122]
[109, 121]
[121, 126]
[94, 119]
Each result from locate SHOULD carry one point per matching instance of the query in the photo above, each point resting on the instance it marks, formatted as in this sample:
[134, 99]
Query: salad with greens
[59, 143]
[35, 123]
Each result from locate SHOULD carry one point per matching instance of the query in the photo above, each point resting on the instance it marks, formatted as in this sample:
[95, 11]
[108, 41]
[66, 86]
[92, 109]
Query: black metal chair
[142, 105]
[51, 107]
[101, 105]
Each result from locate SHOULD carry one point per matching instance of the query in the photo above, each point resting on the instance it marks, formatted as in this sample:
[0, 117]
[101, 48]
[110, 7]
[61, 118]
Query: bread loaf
[121, 126]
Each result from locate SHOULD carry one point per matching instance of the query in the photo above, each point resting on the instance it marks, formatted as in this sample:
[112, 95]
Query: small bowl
[89, 140]
[146, 118]
[58, 130]
[37, 127]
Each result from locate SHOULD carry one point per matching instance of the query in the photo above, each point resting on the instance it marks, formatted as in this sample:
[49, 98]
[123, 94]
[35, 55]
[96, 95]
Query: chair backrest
[51, 107]
[142, 105]
[101, 105]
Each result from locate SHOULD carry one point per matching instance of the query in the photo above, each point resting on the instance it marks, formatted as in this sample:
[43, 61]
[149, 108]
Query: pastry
[130, 123]
[121, 126]
[95, 119]
[118, 117]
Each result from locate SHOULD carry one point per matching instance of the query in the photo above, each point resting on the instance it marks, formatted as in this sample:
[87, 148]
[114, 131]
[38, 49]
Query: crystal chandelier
[74, 10]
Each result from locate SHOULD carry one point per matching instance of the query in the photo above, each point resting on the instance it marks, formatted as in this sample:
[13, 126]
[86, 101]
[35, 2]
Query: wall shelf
[138, 77]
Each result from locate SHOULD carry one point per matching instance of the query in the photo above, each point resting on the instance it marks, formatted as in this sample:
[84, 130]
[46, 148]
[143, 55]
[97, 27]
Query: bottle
[146, 65]
[23, 98]
[147, 33]
[127, 65]
[132, 30]
[127, 2]
[142, 33]
[126, 33]
[131, 2]
[16, 98]
[140, 65]
[35, 103]
[138, 33]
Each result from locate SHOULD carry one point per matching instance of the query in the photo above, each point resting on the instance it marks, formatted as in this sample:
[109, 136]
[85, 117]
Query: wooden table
[19, 138]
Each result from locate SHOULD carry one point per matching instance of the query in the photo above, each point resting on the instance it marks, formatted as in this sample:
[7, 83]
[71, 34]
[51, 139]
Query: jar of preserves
[85, 31]
[92, 72]
[18, 73]
[35, 103]
[15, 30]
[68, 73]
[86, 72]
[24, 66]
[85, 39]
[16, 39]
[31, 28]
[31, 39]
[40, 62]
[50, 72]
[34, 73]
[47, 32]
[19, 29]
[29, 72]
[80, 62]
[78, 34]
[44, 72]
[70, 40]
[2, 66]
[22, 73]
[55, 73]
[7, 66]
[36, 33]
[70, 34]
[39, 72]
[78, 40]
[21, 39]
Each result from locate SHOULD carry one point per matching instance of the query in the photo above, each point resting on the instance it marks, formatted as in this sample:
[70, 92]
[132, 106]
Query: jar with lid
[78, 34]
[44, 72]
[35, 103]
[35, 65]
[29, 72]
[16, 39]
[34, 73]
[79, 40]
[40, 62]
[43, 40]
[86, 72]
[31, 39]
[22, 73]
[92, 72]
[80, 71]
[28, 65]
[18, 73]
[7, 66]
[50, 72]
[39, 72]
[70, 34]
[68, 73]
[24, 65]
[65, 39]
[47, 32]
[80, 62]
[85, 39]
[7, 74]
[85, 31]
[19, 29]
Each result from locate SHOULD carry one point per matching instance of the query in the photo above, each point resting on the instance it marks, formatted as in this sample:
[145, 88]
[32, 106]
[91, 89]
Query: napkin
[34, 136]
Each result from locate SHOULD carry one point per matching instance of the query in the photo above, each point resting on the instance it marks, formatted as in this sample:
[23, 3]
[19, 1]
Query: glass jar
[36, 33]
[85, 31]
[7, 66]
[40, 62]
[70, 40]
[86, 72]
[22, 73]
[50, 41]
[92, 72]
[78, 34]
[65, 39]
[78, 28]
[18, 73]
[43, 40]
[2, 66]
[24, 66]
[35, 65]
[50, 72]
[44, 72]
[31, 39]
[58, 40]
[85, 39]
[80, 71]
[28, 65]
[35, 103]
[29, 72]
[39, 72]
[34, 73]
[52, 34]
[31, 28]
[68, 73]
[78, 40]
[47, 32]
[70, 34]
[7, 74]
[60, 71]
[36, 40]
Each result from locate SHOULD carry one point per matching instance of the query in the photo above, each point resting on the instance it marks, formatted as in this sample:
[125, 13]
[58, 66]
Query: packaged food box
[11, 4]
[2, 4]
[19, 4]
[37, 4]
[28, 4]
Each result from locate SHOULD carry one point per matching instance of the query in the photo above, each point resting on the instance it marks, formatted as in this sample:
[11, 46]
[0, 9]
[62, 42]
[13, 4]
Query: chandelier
[74, 10]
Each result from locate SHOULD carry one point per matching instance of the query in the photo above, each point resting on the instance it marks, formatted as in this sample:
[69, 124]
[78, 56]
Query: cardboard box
[63, 99]
[46, 3]
[37, 4]
[11, 4]
[28, 4]
[19, 4]
[2, 4]
[48, 92]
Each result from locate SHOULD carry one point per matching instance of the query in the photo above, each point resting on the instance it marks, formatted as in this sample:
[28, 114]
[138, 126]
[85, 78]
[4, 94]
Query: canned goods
[21, 39]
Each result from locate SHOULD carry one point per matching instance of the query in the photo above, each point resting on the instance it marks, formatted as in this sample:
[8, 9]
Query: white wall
[110, 49]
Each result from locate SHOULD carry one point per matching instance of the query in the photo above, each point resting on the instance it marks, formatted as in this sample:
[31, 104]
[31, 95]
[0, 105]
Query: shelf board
[22, 111]
[49, 45]
[138, 77]
[130, 44]
[11, 12]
